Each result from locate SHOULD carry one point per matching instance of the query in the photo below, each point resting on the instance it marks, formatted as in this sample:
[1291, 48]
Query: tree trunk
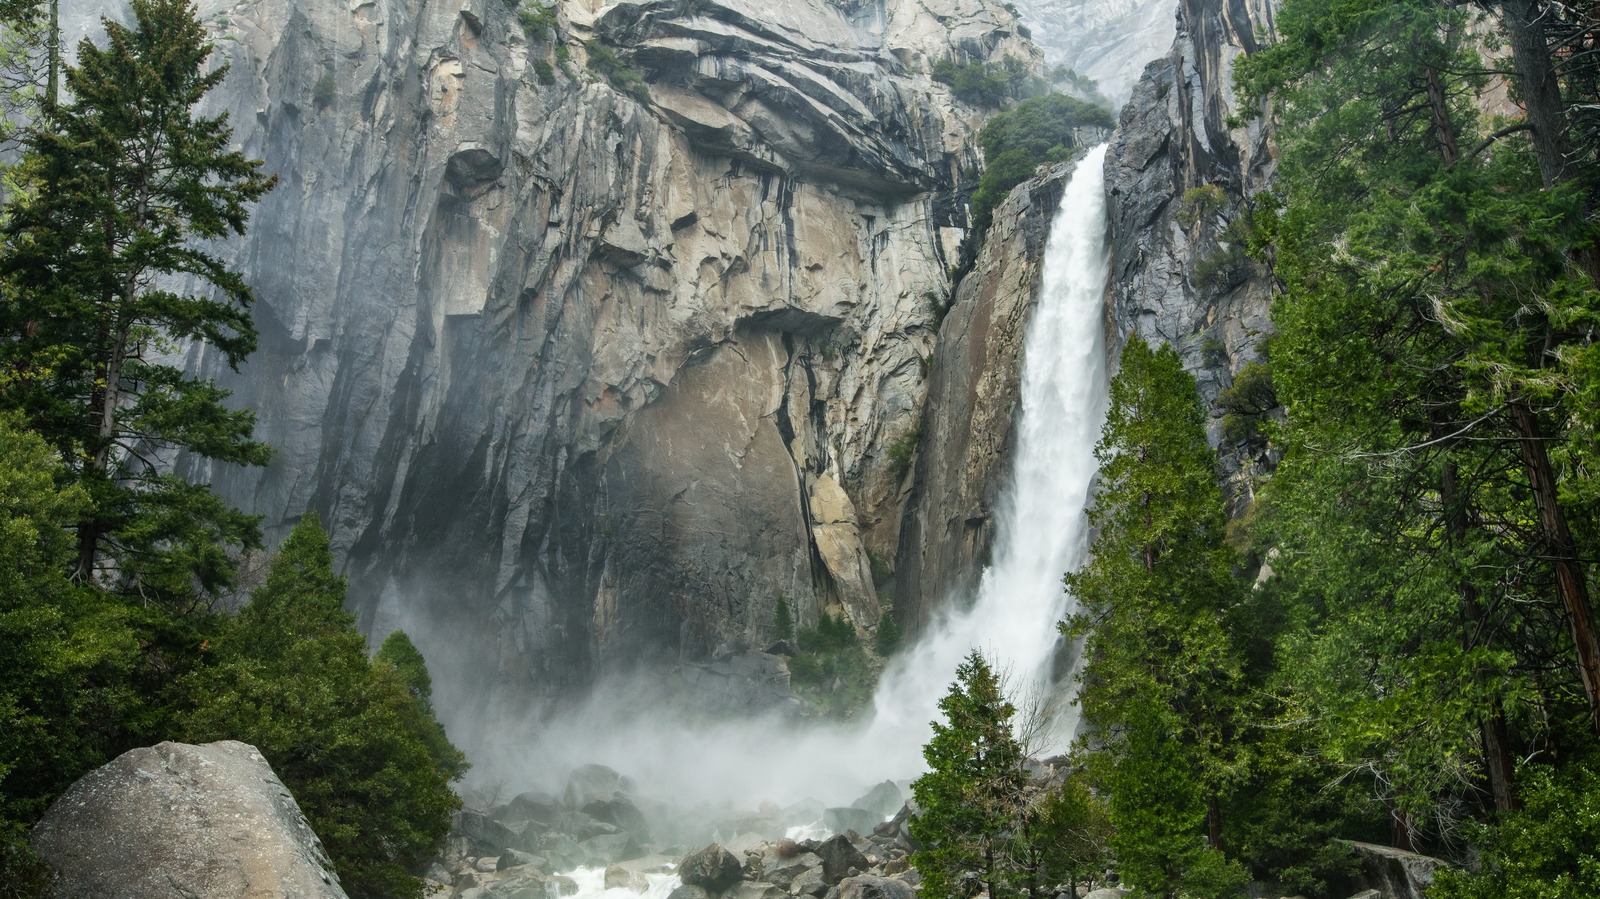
[1440, 106]
[1538, 87]
[1213, 822]
[1558, 546]
[1492, 728]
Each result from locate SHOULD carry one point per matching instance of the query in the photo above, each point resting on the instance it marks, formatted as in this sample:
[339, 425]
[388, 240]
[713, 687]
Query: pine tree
[973, 791]
[106, 273]
[1154, 602]
[364, 757]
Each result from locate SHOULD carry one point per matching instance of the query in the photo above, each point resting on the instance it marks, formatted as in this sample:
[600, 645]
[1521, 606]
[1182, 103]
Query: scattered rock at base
[1107, 893]
[589, 783]
[839, 855]
[688, 891]
[882, 800]
[204, 822]
[712, 868]
[867, 886]
[842, 819]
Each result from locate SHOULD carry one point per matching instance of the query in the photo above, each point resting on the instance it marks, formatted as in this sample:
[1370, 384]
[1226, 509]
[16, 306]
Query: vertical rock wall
[584, 370]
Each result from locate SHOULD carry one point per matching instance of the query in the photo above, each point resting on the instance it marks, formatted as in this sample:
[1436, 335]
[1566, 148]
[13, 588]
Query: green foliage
[322, 93]
[1015, 143]
[988, 84]
[539, 22]
[66, 652]
[1200, 204]
[361, 752]
[1065, 835]
[832, 670]
[399, 653]
[903, 451]
[1550, 849]
[1247, 402]
[972, 791]
[622, 76]
[544, 72]
[128, 186]
[782, 620]
[1164, 680]
[888, 639]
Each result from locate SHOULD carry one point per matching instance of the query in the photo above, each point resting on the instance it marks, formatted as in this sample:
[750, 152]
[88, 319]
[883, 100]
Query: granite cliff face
[586, 369]
[1177, 175]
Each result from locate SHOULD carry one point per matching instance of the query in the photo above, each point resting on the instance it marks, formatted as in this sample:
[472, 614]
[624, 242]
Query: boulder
[180, 820]
[1395, 873]
[532, 806]
[565, 886]
[514, 858]
[608, 849]
[754, 889]
[689, 891]
[842, 819]
[621, 814]
[782, 870]
[1107, 893]
[713, 868]
[867, 886]
[882, 800]
[620, 878]
[483, 834]
[593, 782]
[839, 855]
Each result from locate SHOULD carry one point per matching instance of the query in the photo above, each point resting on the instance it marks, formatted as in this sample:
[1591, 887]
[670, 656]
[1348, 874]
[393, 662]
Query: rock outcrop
[1180, 175]
[200, 822]
[589, 341]
[973, 394]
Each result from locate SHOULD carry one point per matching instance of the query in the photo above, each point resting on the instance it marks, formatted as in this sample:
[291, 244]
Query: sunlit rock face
[579, 375]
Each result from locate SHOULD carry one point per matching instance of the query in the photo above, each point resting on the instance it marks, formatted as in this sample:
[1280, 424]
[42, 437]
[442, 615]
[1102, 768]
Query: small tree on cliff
[972, 792]
[104, 274]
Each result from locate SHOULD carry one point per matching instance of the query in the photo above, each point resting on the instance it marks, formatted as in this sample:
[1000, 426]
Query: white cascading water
[1041, 534]
[1042, 530]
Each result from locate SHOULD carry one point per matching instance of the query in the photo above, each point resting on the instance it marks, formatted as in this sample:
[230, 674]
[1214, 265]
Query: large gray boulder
[867, 886]
[175, 820]
[712, 868]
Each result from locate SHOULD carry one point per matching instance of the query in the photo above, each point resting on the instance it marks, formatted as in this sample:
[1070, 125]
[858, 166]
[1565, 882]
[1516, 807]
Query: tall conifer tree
[107, 273]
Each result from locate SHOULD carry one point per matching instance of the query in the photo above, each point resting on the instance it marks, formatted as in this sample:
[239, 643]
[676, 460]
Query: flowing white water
[1041, 534]
[1042, 531]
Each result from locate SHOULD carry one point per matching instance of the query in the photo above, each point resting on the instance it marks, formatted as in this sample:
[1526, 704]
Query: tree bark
[1538, 87]
[1559, 547]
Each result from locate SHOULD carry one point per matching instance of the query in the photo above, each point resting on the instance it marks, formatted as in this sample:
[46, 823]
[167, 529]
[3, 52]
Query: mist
[633, 725]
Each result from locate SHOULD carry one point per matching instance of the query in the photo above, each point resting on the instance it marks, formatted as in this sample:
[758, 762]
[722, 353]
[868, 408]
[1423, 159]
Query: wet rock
[205, 822]
[608, 848]
[564, 886]
[620, 813]
[712, 868]
[591, 783]
[850, 819]
[535, 806]
[483, 834]
[1395, 873]
[882, 800]
[867, 886]
[620, 878]
[783, 870]
[512, 858]
[839, 855]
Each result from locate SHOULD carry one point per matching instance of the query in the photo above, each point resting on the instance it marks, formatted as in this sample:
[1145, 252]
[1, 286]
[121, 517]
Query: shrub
[544, 72]
[538, 21]
[889, 637]
[1015, 143]
[988, 84]
[832, 670]
[902, 451]
[604, 62]
[322, 92]
[782, 620]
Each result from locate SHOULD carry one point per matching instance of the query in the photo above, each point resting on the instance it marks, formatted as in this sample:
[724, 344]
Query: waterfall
[1042, 531]
[1041, 534]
